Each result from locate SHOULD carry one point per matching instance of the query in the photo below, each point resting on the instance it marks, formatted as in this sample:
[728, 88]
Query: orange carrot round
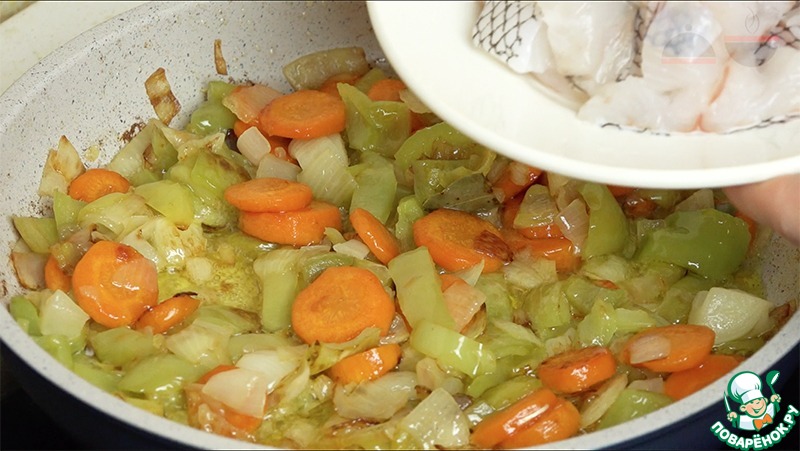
[501, 425]
[514, 179]
[240, 127]
[366, 366]
[560, 422]
[386, 89]
[560, 250]
[297, 227]
[303, 114]
[329, 85]
[96, 183]
[114, 284]
[578, 369]
[54, 277]
[681, 384]
[458, 240]
[168, 313]
[269, 194]
[374, 234]
[687, 346]
[339, 304]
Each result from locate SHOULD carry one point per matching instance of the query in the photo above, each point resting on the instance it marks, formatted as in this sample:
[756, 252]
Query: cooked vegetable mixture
[335, 267]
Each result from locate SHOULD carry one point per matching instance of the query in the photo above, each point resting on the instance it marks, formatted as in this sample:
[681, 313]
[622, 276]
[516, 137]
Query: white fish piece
[512, 32]
[746, 27]
[753, 95]
[635, 104]
[603, 49]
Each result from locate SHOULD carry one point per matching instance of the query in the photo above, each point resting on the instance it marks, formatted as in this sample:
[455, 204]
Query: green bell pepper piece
[706, 242]
[378, 126]
[608, 227]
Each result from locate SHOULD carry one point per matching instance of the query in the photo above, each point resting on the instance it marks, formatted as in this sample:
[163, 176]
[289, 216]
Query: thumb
[774, 203]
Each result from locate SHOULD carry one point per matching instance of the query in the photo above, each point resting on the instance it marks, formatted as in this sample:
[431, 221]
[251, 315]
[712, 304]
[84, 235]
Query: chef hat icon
[745, 387]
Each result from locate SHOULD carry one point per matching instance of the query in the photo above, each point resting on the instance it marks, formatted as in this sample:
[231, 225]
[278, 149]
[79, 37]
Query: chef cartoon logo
[755, 409]
[752, 408]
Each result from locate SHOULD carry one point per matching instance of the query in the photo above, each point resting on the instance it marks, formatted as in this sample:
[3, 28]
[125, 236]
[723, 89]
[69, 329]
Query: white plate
[429, 44]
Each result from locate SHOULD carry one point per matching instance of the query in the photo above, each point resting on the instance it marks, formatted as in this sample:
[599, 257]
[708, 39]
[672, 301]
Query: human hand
[774, 203]
[732, 416]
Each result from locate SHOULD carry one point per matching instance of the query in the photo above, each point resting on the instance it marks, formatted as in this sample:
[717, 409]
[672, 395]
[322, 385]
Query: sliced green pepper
[707, 242]
[377, 126]
[608, 227]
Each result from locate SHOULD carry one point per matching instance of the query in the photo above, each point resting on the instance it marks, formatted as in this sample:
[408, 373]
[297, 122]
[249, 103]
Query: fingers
[774, 203]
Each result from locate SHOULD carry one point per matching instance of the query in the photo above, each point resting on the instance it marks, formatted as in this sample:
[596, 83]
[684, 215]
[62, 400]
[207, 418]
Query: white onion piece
[471, 274]
[62, 166]
[699, 200]
[413, 102]
[243, 390]
[655, 385]
[463, 301]
[376, 400]
[275, 365]
[60, 315]
[573, 221]
[602, 401]
[649, 347]
[272, 166]
[247, 102]
[29, 266]
[731, 314]
[353, 248]
[161, 97]
[437, 422]
[253, 145]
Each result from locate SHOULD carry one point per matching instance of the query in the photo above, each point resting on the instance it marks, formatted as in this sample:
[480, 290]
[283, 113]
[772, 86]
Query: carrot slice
[54, 277]
[619, 191]
[339, 304]
[458, 240]
[386, 89]
[303, 114]
[297, 227]
[114, 284]
[576, 370]
[235, 419]
[375, 235]
[560, 250]
[501, 425]
[514, 179]
[168, 313]
[329, 85]
[366, 366]
[685, 346]
[96, 183]
[269, 194]
[240, 127]
[560, 422]
[681, 384]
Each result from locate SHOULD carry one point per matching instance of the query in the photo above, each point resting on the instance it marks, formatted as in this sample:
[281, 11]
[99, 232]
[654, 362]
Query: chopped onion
[248, 101]
[60, 315]
[398, 331]
[353, 248]
[573, 220]
[241, 389]
[654, 384]
[253, 145]
[161, 97]
[649, 347]
[29, 266]
[272, 166]
[699, 200]
[274, 364]
[219, 60]
[537, 208]
[463, 301]
[376, 400]
[471, 274]
[62, 166]
[413, 102]
[605, 397]
[530, 272]
[437, 422]
[731, 314]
